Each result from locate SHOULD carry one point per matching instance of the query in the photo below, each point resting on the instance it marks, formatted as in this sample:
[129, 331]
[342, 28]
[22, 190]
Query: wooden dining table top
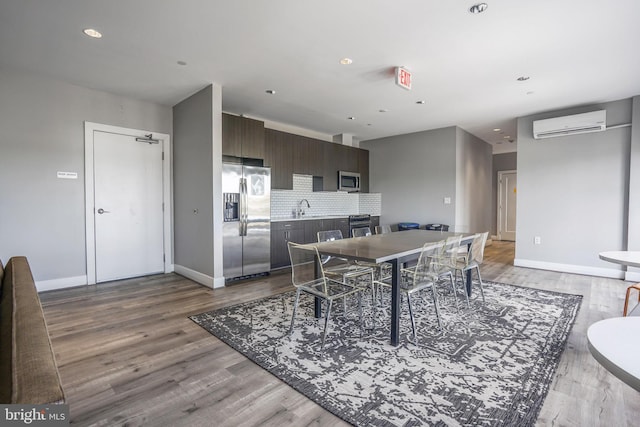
[380, 248]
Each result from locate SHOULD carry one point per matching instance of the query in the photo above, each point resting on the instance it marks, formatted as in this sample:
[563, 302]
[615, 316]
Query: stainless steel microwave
[348, 181]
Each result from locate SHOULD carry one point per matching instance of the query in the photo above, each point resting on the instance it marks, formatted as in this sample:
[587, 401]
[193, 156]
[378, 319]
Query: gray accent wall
[501, 162]
[573, 192]
[41, 133]
[192, 182]
[415, 172]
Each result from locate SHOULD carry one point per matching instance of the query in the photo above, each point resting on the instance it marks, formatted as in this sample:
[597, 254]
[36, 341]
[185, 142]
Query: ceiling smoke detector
[478, 8]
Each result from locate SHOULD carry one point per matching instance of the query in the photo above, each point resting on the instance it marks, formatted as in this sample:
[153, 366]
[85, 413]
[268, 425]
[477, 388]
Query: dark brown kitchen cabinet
[242, 137]
[330, 166]
[363, 169]
[348, 158]
[283, 232]
[311, 228]
[308, 156]
[342, 224]
[279, 156]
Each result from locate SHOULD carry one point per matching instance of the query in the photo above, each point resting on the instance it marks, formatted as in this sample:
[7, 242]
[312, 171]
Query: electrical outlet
[447, 200]
[537, 240]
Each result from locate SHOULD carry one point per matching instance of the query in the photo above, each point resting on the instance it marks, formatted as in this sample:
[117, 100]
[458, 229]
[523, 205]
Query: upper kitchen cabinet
[363, 169]
[331, 166]
[308, 156]
[242, 137]
[279, 156]
[339, 157]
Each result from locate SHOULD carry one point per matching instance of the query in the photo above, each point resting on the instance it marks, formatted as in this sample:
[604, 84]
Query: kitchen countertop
[308, 217]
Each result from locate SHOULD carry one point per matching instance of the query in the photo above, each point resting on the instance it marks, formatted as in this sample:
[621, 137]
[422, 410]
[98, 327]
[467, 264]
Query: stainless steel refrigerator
[247, 219]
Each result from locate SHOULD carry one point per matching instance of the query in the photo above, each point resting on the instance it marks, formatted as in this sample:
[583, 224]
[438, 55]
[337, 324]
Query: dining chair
[382, 229]
[381, 272]
[471, 261]
[303, 276]
[422, 276]
[345, 271]
[445, 264]
[361, 232]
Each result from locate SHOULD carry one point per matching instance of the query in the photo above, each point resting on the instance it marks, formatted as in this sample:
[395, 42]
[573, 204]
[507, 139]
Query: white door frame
[499, 224]
[89, 129]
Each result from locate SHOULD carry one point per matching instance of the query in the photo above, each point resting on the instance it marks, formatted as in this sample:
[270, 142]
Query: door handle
[102, 211]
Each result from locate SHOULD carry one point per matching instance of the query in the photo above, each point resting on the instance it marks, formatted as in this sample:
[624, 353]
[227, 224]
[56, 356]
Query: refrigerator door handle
[244, 207]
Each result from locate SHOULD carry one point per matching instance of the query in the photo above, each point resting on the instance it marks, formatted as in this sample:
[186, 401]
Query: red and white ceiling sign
[403, 78]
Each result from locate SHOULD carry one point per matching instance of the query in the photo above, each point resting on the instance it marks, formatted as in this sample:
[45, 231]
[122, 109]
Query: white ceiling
[464, 66]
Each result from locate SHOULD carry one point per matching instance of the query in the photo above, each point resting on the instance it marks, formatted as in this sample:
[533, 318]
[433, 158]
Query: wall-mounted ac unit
[595, 121]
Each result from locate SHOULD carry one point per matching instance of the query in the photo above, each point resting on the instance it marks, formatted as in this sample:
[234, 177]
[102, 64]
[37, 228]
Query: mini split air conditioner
[595, 121]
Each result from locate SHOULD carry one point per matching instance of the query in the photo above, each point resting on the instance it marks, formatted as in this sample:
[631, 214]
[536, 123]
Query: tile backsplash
[284, 202]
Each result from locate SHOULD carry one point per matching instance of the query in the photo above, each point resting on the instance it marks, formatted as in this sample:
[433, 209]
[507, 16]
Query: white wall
[414, 172]
[42, 132]
[573, 193]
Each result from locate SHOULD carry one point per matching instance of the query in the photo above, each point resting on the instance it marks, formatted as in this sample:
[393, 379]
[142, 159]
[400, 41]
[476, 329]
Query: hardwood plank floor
[129, 355]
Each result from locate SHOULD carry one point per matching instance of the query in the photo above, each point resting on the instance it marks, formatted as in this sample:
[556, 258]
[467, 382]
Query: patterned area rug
[490, 365]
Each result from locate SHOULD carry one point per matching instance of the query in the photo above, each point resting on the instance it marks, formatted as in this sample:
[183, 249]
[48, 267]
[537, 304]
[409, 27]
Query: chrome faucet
[300, 210]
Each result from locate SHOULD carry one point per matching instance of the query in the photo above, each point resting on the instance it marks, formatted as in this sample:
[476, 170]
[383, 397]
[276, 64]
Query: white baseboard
[198, 277]
[570, 268]
[632, 276]
[65, 282]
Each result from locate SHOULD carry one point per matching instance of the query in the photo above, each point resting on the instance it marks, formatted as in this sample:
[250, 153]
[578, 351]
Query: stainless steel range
[359, 221]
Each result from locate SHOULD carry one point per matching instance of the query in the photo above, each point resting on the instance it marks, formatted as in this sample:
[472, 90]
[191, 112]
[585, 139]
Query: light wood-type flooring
[128, 355]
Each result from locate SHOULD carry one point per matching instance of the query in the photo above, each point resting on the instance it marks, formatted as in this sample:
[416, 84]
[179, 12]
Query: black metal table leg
[395, 302]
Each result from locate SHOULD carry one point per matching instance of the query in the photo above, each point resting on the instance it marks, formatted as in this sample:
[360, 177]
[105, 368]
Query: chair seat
[347, 270]
[334, 289]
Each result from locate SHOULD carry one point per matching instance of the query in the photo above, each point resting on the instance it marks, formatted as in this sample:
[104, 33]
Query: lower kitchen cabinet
[283, 232]
[342, 224]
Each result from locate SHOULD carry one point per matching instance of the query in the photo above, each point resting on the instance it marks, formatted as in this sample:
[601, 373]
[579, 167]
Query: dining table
[395, 248]
[628, 259]
[612, 343]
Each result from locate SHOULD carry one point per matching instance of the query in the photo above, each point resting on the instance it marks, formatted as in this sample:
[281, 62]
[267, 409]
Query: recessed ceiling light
[270, 91]
[421, 102]
[530, 93]
[92, 33]
[368, 124]
[181, 63]
[523, 78]
[346, 61]
[382, 110]
[351, 118]
[506, 137]
[497, 130]
[478, 8]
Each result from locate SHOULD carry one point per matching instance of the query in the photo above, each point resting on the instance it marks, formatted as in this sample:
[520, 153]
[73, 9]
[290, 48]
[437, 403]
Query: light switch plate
[447, 200]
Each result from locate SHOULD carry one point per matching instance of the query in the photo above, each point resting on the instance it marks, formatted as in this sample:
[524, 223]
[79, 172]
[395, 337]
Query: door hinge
[163, 258]
[162, 206]
[163, 155]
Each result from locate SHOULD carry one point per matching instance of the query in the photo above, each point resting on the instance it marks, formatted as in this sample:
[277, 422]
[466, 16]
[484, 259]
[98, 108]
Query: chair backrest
[329, 235]
[361, 232]
[303, 261]
[383, 229]
[477, 247]
[424, 269]
[450, 250]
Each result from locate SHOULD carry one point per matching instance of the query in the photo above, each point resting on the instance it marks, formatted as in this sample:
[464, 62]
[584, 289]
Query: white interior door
[507, 183]
[128, 207]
